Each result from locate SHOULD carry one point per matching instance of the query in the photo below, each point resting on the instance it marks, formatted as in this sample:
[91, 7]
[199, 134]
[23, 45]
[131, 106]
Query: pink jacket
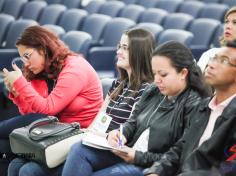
[77, 95]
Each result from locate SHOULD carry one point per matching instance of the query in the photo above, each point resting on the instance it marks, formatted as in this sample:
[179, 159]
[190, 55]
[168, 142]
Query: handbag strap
[43, 121]
[39, 136]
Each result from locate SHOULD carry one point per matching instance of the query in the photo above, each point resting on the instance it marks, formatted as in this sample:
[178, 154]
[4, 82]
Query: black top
[166, 119]
[212, 153]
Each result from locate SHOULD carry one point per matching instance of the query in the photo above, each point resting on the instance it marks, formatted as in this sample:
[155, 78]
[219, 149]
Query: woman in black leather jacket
[156, 123]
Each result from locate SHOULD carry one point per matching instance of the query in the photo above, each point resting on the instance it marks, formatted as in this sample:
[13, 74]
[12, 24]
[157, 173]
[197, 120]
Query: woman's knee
[31, 169]
[77, 149]
[14, 166]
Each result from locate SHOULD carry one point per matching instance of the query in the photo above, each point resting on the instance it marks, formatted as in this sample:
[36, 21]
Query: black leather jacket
[166, 119]
[210, 157]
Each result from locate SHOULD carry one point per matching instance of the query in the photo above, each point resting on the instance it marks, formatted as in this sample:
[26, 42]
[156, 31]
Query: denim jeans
[87, 161]
[6, 127]
[21, 167]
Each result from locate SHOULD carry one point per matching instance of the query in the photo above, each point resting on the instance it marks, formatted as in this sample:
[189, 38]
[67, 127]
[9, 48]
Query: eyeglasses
[123, 47]
[222, 60]
[26, 56]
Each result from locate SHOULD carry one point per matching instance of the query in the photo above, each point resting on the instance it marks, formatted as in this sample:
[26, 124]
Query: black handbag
[46, 140]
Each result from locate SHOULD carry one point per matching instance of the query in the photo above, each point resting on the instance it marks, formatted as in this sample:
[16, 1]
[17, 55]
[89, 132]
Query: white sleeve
[204, 59]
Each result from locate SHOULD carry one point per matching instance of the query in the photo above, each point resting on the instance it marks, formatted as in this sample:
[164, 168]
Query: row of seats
[145, 3]
[94, 24]
[100, 45]
[32, 10]
[227, 2]
[78, 19]
[101, 55]
[196, 9]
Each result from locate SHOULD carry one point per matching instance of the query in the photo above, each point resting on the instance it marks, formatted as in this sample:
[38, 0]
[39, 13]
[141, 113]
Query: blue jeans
[87, 161]
[6, 127]
[21, 167]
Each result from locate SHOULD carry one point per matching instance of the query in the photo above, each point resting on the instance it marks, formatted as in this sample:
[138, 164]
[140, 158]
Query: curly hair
[53, 49]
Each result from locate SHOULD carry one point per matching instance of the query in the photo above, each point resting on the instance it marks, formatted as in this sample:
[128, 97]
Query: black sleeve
[131, 125]
[168, 163]
[147, 158]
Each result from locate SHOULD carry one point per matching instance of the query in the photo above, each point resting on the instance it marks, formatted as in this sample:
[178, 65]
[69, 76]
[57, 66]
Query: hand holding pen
[120, 141]
[115, 137]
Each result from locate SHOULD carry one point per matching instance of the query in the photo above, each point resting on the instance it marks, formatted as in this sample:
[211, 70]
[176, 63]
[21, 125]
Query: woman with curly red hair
[75, 94]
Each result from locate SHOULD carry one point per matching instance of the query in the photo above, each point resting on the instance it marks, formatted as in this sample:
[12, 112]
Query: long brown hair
[45, 42]
[141, 44]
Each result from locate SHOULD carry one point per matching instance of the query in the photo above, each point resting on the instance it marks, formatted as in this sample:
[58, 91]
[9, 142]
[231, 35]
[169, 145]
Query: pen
[121, 134]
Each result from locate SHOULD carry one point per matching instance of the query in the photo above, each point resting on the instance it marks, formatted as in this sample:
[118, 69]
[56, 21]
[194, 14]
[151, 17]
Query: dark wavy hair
[181, 57]
[48, 44]
[141, 44]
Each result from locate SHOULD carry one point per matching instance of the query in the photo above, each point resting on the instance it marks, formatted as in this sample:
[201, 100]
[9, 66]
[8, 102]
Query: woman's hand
[127, 156]
[11, 76]
[114, 138]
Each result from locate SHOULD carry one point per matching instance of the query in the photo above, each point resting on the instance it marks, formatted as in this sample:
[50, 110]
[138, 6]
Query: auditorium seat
[93, 6]
[72, 19]
[95, 24]
[78, 41]
[5, 22]
[203, 30]
[54, 1]
[217, 35]
[15, 30]
[153, 15]
[111, 8]
[230, 3]
[192, 8]
[106, 85]
[72, 3]
[32, 10]
[178, 35]
[51, 14]
[132, 12]
[177, 21]
[13, 7]
[214, 11]
[8, 50]
[57, 30]
[147, 3]
[155, 29]
[130, 1]
[168, 5]
[1, 4]
[211, 1]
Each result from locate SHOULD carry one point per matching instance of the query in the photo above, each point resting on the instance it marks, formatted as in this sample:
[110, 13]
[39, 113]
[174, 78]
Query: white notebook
[99, 142]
